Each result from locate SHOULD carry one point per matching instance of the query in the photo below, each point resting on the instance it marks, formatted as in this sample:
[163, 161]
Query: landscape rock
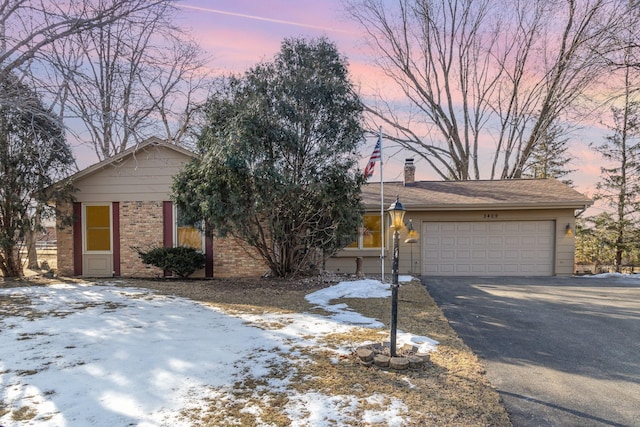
[399, 363]
[365, 354]
[381, 360]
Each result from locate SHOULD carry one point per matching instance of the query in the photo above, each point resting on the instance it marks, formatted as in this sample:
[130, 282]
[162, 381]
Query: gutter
[581, 211]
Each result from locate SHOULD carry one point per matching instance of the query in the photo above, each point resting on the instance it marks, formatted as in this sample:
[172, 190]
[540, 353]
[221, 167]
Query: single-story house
[516, 227]
[511, 227]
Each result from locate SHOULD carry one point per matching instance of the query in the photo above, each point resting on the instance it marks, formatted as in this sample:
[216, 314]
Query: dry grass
[451, 390]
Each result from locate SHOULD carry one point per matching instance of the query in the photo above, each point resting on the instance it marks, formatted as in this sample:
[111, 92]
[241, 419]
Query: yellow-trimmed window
[369, 236]
[186, 233]
[97, 222]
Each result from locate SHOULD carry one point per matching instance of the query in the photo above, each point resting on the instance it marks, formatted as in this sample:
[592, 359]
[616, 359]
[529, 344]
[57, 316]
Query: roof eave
[153, 141]
[495, 206]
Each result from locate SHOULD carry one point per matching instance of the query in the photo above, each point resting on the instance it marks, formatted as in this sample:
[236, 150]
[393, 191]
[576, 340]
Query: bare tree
[482, 71]
[130, 79]
[176, 85]
[29, 27]
[619, 185]
[33, 150]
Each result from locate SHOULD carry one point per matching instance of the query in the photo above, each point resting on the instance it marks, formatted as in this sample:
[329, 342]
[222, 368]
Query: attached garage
[513, 248]
[516, 227]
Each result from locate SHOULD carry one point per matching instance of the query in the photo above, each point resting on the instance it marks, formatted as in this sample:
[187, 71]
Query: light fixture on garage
[567, 230]
[412, 237]
[396, 215]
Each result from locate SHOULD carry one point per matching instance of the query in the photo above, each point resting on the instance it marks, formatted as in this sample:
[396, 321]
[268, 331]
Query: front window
[187, 233]
[369, 235]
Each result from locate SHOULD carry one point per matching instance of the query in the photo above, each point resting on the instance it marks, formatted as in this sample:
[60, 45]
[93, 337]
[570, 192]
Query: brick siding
[232, 258]
[64, 242]
[141, 227]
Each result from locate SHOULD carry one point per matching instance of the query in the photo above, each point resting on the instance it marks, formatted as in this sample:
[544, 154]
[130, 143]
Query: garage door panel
[431, 256]
[479, 268]
[479, 241]
[491, 248]
[529, 227]
[529, 269]
[448, 240]
[546, 241]
[458, 227]
[462, 268]
[510, 269]
[463, 241]
[448, 255]
[449, 228]
[495, 269]
[511, 240]
[511, 256]
[497, 241]
[494, 227]
[446, 269]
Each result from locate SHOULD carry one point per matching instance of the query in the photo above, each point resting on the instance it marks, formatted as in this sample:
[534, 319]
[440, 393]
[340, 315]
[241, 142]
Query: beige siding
[145, 176]
[345, 261]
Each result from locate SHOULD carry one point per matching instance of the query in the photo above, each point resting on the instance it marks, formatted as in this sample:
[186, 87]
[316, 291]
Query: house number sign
[490, 216]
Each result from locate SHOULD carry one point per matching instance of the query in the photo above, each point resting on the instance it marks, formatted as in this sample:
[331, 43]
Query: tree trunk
[12, 266]
[32, 253]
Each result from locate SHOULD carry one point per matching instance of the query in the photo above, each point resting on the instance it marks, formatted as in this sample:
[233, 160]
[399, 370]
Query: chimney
[409, 171]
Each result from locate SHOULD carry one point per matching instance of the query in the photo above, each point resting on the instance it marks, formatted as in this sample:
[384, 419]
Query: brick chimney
[409, 171]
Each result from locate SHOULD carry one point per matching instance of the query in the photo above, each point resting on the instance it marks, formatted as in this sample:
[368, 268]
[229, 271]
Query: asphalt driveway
[561, 351]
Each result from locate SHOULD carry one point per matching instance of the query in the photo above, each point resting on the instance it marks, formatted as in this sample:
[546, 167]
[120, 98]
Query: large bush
[278, 168]
[181, 260]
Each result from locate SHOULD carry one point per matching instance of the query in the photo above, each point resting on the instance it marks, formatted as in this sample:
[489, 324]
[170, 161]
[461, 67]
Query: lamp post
[412, 237]
[396, 215]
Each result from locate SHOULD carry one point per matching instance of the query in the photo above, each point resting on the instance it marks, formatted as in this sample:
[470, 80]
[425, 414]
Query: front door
[97, 255]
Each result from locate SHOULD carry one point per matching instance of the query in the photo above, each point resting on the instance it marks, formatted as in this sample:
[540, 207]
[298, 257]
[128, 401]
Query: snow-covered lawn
[79, 355]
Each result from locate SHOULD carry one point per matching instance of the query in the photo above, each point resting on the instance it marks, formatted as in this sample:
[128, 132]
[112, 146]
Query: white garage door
[496, 248]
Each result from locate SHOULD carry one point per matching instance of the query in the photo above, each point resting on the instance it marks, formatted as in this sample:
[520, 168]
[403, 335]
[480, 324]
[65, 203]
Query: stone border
[378, 354]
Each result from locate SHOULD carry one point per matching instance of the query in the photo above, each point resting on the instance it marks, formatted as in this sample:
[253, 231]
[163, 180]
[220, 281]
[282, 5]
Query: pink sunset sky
[237, 34]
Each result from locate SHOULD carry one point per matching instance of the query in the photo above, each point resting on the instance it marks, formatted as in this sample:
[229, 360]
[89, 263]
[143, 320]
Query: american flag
[375, 156]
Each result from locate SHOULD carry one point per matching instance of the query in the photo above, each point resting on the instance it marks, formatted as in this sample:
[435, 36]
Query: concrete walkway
[561, 351]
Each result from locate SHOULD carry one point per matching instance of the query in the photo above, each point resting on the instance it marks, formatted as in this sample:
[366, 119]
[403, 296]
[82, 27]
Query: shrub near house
[181, 260]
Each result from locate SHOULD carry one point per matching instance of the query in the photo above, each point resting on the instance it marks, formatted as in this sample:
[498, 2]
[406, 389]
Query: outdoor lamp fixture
[396, 215]
[567, 230]
[412, 237]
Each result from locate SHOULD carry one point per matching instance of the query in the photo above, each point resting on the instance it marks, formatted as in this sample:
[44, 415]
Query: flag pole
[382, 228]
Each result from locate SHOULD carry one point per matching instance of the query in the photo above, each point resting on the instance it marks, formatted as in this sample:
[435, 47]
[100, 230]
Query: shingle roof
[469, 195]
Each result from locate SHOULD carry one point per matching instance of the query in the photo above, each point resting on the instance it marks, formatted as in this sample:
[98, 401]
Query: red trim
[77, 239]
[115, 214]
[167, 224]
[167, 227]
[208, 252]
